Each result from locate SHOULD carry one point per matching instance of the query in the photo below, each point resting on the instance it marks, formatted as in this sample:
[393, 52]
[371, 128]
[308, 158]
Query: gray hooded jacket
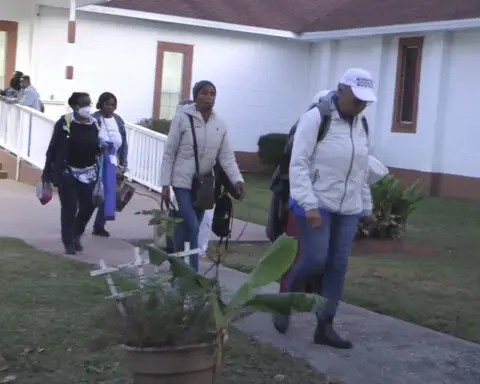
[178, 164]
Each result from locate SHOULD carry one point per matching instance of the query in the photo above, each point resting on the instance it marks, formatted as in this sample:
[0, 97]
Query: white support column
[32, 70]
[443, 47]
[71, 38]
[381, 51]
[323, 58]
[328, 62]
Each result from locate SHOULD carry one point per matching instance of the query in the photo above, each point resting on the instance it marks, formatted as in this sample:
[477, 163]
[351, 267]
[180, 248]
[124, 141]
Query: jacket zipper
[349, 169]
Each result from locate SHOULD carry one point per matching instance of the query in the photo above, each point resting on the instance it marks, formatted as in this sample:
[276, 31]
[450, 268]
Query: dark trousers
[100, 218]
[76, 200]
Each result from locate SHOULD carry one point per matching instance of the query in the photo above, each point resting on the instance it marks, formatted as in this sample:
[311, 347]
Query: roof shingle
[288, 15]
[309, 15]
[375, 13]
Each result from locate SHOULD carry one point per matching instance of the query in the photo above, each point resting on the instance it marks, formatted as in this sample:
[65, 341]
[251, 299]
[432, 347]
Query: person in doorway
[329, 194]
[71, 164]
[13, 90]
[179, 164]
[113, 129]
[29, 96]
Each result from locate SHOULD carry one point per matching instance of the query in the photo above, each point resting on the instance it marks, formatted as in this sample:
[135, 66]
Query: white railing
[145, 152]
[54, 109]
[27, 132]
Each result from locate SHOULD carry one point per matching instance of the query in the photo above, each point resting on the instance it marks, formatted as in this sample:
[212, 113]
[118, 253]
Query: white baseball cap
[361, 83]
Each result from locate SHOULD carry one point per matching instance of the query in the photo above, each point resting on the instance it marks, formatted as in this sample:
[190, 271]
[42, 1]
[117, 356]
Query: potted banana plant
[175, 331]
[175, 325]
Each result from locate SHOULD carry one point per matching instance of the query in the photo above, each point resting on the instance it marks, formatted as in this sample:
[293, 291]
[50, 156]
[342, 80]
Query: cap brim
[364, 94]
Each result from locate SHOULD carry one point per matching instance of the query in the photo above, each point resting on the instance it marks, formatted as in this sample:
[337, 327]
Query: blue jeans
[189, 228]
[324, 251]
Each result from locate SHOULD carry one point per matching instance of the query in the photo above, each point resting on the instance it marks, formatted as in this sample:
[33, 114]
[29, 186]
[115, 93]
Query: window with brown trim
[8, 51]
[173, 78]
[407, 87]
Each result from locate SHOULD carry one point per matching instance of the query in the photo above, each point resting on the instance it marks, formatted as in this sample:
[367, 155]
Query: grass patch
[441, 291]
[254, 207]
[47, 309]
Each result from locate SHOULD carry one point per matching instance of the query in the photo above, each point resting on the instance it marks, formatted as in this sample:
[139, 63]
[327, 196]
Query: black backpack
[280, 186]
[222, 222]
[223, 218]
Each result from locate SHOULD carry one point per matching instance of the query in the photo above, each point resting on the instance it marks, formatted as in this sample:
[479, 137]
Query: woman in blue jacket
[113, 131]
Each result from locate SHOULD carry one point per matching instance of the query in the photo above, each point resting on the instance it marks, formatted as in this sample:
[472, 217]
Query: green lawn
[48, 307]
[254, 207]
[440, 291]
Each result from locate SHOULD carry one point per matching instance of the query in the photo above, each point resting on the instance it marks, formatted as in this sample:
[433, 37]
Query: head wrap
[200, 85]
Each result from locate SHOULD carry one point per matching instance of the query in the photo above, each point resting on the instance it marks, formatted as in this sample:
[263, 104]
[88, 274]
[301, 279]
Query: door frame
[187, 51]
[11, 28]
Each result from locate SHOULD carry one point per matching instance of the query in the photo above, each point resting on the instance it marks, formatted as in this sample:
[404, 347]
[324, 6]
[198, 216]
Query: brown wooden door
[8, 51]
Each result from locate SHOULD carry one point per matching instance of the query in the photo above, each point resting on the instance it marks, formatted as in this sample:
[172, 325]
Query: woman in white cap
[329, 194]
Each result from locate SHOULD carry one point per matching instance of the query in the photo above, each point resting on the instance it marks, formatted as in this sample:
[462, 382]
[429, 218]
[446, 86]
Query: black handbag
[203, 186]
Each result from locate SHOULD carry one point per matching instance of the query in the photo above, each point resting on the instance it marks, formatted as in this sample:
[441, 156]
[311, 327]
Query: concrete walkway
[387, 350]
[22, 216]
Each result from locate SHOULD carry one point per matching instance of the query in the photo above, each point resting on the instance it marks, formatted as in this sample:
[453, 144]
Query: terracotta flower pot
[176, 365]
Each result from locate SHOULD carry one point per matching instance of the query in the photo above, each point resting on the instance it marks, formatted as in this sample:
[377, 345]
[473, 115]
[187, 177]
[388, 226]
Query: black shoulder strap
[365, 124]
[195, 146]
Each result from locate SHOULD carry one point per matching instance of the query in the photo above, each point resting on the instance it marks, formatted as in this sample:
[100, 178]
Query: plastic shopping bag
[98, 195]
[376, 170]
[205, 230]
[44, 192]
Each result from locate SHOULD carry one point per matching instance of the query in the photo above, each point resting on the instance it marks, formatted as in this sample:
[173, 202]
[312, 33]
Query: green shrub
[157, 125]
[271, 147]
[392, 205]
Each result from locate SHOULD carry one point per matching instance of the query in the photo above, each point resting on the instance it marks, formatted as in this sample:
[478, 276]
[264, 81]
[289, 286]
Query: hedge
[271, 147]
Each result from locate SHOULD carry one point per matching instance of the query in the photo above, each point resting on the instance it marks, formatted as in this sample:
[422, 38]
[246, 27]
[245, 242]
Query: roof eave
[189, 21]
[447, 25]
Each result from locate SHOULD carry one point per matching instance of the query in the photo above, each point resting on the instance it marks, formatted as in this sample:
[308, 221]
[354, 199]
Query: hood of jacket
[319, 95]
[191, 109]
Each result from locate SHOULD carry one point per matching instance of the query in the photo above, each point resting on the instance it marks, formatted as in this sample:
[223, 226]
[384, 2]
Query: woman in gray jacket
[178, 164]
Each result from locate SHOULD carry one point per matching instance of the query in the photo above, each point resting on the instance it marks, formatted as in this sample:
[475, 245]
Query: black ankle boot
[281, 323]
[325, 334]
[100, 231]
[70, 250]
[77, 245]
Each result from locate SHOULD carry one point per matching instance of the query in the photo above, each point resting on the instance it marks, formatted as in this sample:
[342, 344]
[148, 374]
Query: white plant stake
[137, 263]
[113, 288]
